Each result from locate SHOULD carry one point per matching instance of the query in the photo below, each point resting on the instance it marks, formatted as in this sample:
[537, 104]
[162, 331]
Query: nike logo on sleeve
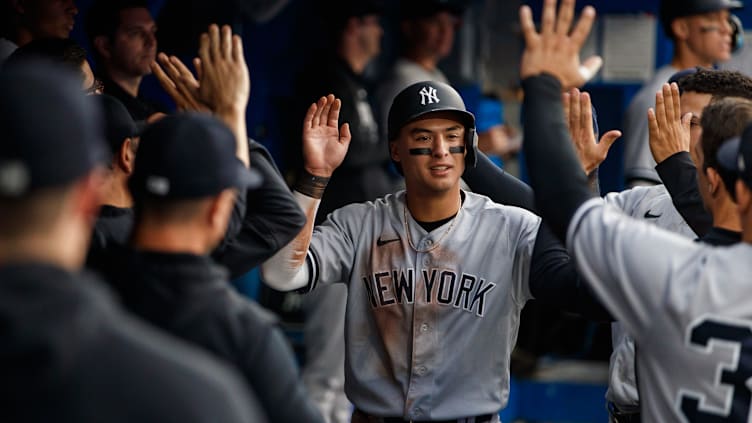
[649, 215]
[380, 242]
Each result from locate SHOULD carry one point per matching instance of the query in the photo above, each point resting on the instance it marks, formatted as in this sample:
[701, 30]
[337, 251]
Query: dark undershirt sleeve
[490, 180]
[560, 189]
[679, 176]
[555, 172]
[554, 280]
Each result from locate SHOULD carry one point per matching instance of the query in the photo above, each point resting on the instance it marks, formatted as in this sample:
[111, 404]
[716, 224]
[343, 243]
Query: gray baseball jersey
[654, 205]
[685, 303]
[428, 333]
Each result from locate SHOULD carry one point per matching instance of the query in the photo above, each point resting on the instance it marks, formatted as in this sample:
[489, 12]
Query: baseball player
[653, 204]
[431, 321]
[701, 32]
[675, 306]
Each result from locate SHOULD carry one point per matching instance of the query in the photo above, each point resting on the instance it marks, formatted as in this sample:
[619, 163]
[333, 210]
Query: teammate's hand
[668, 130]
[324, 144]
[179, 83]
[225, 83]
[579, 117]
[555, 50]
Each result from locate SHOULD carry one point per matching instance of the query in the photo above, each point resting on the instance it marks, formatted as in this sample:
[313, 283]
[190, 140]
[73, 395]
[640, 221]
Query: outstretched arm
[324, 149]
[550, 64]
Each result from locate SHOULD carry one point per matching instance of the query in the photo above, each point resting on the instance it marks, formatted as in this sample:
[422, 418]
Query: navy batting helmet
[672, 9]
[427, 97]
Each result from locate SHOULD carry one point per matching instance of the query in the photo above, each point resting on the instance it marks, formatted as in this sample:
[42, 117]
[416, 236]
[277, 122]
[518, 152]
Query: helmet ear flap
[471, 146]
[737, 33]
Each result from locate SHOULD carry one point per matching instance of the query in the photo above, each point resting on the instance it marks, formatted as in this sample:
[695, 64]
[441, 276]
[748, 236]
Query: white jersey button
[421, 370]
[424, 327]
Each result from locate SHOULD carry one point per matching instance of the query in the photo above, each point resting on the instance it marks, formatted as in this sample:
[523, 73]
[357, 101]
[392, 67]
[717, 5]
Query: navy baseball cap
[415, 9]
[51, 132]
[672, 9]
[119, 124]
[736, 155]
[188, 155]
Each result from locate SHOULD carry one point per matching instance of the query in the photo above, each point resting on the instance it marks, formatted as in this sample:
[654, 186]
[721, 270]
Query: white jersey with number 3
[429, 333]
[686, 304]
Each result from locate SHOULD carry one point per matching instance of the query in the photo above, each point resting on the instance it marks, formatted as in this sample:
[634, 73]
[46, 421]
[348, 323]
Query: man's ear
[714, 180]
[102, 45]
[127, 156]
[680, 28]
[393, 151]
[220, 209]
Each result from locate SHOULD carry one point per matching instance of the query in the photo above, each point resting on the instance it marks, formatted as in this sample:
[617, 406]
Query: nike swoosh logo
[649, 215]
[380, 242]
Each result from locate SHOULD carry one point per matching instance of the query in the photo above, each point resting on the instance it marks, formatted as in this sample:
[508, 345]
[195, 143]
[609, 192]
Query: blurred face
[709, 35]
[694, 102]
[369, 34]
[134, 46]
[434, 35]
[49, 18]
[427, 150]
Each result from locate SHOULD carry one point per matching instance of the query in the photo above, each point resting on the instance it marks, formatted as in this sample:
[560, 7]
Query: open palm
[324, 142]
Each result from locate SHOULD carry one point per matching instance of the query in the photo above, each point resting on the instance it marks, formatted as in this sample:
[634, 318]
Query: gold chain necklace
[438, 241]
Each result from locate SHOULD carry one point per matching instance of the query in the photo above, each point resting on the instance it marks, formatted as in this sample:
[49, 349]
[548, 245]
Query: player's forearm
[234, 118]
[555, 172]
[286, 270]
[680, 179]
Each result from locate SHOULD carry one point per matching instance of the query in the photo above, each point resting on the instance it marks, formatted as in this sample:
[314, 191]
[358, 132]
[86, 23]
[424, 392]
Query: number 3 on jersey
[734, 375]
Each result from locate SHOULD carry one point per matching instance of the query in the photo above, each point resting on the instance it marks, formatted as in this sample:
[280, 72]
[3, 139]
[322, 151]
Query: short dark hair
[64, 51]
[103, 18]
[723, 119]
[718, 83]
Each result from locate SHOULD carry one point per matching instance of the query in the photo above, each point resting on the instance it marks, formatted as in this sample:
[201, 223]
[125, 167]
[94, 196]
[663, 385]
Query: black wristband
[311, 185]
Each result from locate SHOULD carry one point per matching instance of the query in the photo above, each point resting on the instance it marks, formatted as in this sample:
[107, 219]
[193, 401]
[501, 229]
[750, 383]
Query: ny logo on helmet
[428, 96]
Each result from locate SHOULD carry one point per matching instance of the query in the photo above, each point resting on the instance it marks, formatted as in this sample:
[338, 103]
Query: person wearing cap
[701, 34]
[115, 220]
[427, 29]
[24, 21]
[70, 353]
[685, 303]
[353, 40]
[184, 182]
[430, 320]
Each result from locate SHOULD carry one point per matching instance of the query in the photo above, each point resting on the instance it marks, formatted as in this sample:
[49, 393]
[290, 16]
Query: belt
[620, 416]
[482, 418]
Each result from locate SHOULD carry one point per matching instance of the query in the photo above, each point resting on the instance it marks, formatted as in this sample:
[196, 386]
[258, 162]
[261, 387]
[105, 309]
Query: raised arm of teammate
[324, 148]
[550, 65]
[670, 143]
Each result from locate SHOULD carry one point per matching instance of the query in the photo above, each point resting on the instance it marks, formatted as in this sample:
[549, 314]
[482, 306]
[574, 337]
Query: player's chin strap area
[363, 417]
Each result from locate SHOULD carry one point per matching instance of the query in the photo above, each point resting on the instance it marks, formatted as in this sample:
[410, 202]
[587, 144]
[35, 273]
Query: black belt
[621, 416]
[482, 418]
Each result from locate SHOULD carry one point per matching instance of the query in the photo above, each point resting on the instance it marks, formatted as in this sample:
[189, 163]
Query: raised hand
[556, 50]
[324, 142]
[668, 130]
[579, 117]
[225, 83]
[179, 83]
